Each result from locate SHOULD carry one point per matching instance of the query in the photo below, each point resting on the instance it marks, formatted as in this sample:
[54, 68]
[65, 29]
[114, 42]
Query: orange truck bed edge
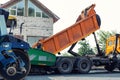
[86, 24]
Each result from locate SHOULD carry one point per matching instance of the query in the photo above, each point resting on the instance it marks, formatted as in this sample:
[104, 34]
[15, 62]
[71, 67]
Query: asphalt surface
[93, 75]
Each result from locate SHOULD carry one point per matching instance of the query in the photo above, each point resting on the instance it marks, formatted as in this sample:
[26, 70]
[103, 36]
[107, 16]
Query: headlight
[118, 56]
[6, 45]
[110, 56]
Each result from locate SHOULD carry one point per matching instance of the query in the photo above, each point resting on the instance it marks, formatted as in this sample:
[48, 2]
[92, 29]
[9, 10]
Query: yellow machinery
[113, 45]
[12, 21]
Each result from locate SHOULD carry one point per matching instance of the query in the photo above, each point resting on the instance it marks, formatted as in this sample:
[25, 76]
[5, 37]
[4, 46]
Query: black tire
[109, 68]
[65, 66]
[98, 20]
[18, 76]
[84, 65]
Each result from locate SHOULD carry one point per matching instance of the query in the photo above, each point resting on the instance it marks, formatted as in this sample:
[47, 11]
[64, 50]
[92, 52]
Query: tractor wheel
[109, 68]
[84, 65]
[65, 66]
[14, 72]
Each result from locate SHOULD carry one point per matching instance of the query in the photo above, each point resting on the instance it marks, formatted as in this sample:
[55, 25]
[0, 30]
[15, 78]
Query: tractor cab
[3, 19]
[113, 45]
[6, 21]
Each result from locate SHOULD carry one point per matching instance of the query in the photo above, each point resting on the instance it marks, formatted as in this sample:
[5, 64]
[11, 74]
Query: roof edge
[45, 9]
[7, 4]
[37, 3]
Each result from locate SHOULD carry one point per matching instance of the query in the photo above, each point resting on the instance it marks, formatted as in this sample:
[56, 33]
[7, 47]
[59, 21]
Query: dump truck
[14, 59]
[45, 59]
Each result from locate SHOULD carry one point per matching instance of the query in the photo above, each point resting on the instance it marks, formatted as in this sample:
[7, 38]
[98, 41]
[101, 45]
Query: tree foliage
[102, 36]
[85, 48]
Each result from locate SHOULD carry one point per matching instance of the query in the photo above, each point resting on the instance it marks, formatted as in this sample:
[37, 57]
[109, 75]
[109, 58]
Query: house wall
[34, 27]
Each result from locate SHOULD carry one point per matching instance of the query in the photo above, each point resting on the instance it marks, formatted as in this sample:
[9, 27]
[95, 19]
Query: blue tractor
[14, 59]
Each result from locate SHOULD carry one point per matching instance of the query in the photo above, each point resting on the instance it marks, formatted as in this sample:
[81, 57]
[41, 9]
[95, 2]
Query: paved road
[93, 75]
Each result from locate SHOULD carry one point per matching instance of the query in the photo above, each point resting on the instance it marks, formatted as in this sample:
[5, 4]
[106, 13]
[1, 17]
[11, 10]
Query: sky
[69, 10]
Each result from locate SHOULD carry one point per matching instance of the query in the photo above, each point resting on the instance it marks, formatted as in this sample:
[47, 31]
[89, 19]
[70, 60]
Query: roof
[37, 3]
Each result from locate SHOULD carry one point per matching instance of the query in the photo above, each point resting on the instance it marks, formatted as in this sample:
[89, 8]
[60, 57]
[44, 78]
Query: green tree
[102, 36]
[85, 48]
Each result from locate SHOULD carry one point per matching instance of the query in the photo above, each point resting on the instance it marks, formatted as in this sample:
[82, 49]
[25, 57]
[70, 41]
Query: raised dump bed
[87, 23]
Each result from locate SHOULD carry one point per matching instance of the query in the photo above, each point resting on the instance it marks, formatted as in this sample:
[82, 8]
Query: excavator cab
[113, 45]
